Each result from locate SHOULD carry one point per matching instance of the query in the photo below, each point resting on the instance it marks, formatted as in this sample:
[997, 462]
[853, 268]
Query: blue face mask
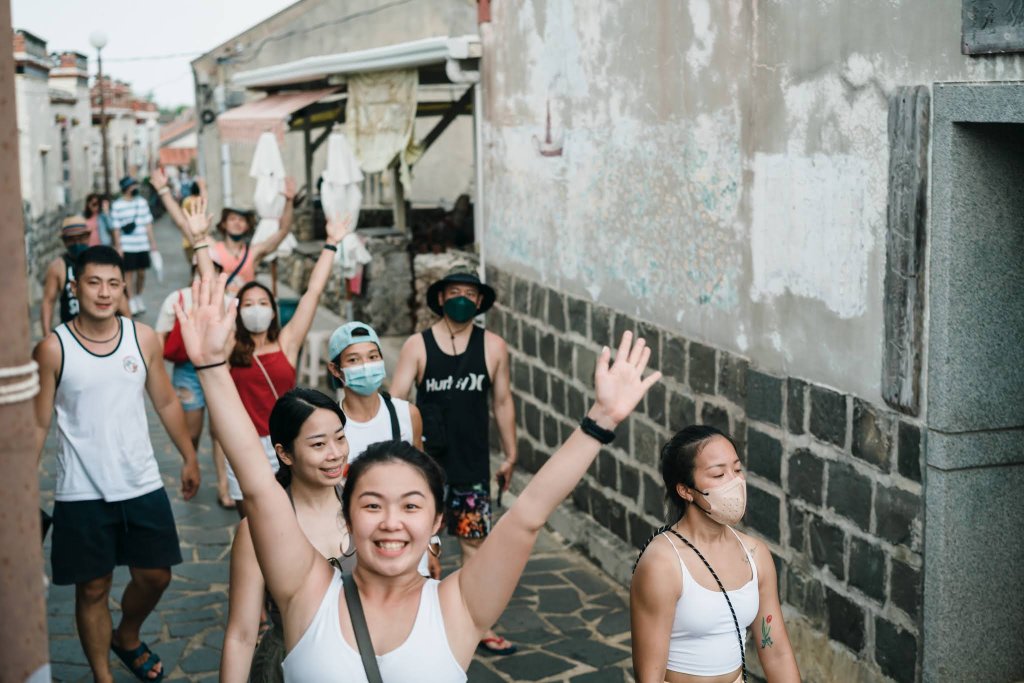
[365, 379]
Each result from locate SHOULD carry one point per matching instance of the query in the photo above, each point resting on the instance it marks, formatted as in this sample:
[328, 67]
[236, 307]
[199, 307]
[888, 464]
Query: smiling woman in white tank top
[698, 585]
[421, 630]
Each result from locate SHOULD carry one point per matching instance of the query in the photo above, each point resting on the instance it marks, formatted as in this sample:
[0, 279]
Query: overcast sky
[143, 28]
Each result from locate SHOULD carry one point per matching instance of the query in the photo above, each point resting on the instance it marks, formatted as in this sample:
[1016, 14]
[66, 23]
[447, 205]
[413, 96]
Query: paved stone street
[570, 621]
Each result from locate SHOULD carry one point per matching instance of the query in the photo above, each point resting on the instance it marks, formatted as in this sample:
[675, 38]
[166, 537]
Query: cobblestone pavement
[570, 621]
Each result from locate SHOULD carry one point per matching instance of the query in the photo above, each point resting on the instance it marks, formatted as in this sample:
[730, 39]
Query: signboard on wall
[992, 26]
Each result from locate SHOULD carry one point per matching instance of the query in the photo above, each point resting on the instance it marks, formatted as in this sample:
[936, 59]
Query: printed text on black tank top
[471, 382]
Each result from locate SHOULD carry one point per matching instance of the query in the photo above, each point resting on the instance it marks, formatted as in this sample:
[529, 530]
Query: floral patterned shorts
[469, 510]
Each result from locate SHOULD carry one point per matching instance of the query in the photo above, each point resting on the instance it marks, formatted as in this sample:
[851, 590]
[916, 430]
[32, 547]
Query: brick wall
[834, 482]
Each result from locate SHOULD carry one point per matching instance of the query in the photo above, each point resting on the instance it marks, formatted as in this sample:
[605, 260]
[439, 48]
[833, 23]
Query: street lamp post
[99, 41]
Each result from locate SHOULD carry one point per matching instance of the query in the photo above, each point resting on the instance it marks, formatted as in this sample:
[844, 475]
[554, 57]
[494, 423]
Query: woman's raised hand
[337, 228]
[197, 221]
[619, 386]
[158, 178]
[290, 188]
[206, 328]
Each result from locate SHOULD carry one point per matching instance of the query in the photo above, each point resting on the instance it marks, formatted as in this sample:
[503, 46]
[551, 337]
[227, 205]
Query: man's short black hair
[101, 255]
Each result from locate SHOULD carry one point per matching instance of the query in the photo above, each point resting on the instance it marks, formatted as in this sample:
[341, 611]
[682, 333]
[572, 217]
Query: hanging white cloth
[268, 198]
[379, 118]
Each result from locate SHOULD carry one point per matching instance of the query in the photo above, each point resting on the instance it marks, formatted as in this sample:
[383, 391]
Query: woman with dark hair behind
[313, 455]
[264, 354]
[420, 629]
[698, 584]
[97, 217]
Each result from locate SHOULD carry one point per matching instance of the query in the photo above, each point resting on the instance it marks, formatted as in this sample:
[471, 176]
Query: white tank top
[362, 434]
[103, 447]
[703, 640]
[323, 655]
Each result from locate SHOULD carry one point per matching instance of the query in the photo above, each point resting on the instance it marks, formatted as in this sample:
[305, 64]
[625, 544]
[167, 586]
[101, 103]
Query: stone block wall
[42, 245]
[387, 284]
[834, 482]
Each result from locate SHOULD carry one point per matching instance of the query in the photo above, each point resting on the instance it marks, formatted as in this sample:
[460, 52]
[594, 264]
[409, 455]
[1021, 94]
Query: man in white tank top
[111, 508]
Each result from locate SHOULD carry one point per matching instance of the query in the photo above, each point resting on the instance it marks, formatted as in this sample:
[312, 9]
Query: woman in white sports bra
[685, 630]
[420, 629]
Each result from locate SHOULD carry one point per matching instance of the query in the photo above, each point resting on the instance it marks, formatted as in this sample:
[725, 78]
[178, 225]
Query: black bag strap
[355, 613]
[735, 621]
[396, 431]
[238, 268]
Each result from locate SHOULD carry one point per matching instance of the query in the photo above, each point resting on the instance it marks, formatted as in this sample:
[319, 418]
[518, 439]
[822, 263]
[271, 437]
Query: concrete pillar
[23, 644]
[974, 510]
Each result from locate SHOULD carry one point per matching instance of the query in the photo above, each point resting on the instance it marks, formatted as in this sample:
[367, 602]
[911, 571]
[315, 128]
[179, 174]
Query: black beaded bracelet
[211, 365]
[331, 247]
[596, 431]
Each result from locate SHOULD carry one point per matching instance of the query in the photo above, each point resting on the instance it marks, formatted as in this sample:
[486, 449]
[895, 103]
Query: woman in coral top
[235, 252]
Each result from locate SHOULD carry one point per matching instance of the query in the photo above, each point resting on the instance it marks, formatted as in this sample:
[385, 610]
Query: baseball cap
[345, 336]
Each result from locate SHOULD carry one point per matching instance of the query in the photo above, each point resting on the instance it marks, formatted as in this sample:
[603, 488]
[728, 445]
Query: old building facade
[807, 209]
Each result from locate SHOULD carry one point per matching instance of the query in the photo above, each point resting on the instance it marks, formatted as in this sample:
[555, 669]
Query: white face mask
[257, 319]
[726, 503]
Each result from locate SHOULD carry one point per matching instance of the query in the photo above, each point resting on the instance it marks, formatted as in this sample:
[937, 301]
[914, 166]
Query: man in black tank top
[60, 274]
[456, 365]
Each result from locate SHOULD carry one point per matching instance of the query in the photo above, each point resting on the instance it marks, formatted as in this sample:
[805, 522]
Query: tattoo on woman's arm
[766, 632]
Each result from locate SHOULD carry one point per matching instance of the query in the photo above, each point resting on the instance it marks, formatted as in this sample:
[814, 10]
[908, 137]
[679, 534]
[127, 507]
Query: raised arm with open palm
[488, 579]
[286, 556]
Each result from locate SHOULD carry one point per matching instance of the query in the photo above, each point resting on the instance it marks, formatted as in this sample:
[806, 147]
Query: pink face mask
[726, 503]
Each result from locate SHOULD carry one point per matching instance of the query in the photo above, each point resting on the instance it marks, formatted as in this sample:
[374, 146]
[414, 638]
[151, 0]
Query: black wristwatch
[596, 431]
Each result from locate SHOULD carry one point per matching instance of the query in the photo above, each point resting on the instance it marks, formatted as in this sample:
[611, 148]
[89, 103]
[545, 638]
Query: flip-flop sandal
[491, 646]
[131, 659]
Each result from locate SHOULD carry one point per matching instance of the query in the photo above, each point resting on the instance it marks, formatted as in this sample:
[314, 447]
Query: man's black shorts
[91, 537]
[136, 260]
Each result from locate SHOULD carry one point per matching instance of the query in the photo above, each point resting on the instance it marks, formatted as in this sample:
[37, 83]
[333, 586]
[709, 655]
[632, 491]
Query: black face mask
[134, 192]
[237, 238]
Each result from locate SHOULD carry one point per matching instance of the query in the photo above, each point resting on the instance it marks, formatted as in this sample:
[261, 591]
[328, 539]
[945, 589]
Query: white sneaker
[133, 307]
[140, 305]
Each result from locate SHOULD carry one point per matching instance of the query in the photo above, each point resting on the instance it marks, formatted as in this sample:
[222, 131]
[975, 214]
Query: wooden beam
[308, 148]
[453, 112]
[322, 137]
[399, 196]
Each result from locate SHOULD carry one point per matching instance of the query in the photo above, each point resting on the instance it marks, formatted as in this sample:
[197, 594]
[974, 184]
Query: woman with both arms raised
[421, 629]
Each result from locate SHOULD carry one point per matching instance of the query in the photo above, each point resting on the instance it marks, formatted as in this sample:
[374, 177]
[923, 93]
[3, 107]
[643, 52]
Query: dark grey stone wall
[834, 482]
[42, 245]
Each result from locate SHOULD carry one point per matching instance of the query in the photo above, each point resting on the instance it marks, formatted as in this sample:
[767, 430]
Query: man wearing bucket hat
[455, 365]
[60, 274]
[132, 229]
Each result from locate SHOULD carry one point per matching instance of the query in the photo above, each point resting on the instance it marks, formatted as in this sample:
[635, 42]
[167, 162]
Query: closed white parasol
[268, 199]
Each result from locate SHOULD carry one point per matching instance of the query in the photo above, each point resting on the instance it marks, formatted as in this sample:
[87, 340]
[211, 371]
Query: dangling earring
[345, 543]
[435, 540]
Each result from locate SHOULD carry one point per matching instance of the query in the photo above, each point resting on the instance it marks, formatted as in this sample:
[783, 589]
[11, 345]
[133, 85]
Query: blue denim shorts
[187, 387]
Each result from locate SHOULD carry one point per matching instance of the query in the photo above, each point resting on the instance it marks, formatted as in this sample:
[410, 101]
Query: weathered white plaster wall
[723, 167]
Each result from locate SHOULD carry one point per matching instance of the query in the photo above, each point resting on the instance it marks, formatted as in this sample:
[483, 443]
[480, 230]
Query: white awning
[411, 55]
